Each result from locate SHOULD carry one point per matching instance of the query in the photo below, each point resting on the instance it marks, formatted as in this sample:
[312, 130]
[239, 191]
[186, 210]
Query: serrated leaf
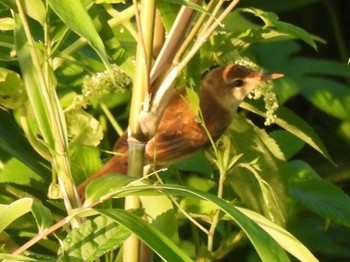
[323, 198]
[83, 128]
[93, 239]
[84, 162]
[260, 185]
[12, 93]
[291, 122]
[289, 144]
[271, 20]
[9, 213]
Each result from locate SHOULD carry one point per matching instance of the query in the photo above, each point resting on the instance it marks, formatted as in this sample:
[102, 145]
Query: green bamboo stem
[137, 140]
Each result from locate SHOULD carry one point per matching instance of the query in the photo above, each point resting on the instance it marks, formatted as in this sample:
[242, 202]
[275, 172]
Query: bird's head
[235, 80]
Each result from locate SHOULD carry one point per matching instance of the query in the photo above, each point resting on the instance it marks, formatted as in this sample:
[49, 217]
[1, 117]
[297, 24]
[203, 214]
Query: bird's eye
[238, 82]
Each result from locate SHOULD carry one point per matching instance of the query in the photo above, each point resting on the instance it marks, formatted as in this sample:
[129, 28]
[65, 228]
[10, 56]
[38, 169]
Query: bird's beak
[270, 76]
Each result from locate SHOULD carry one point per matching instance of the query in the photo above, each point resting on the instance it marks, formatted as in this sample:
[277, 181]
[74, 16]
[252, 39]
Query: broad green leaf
[93, 239]
[83, 129]
[14, 142]
[12, 93]
[262, 242]
[257, 178]
[18, 173]
[42, 215]
[297, 170]
[9, 213]
[36, 10]
[168, 12]
[293, 124]
[157, 241]
[314, 66]
[162, 215]
[329, 96]
[323, 198]
[282, 236]
[74, 15]
[289, 144]
[84, 162]
[101, 186]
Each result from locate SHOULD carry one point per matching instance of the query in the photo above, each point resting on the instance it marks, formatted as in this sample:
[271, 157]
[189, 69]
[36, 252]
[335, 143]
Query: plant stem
[137, 139]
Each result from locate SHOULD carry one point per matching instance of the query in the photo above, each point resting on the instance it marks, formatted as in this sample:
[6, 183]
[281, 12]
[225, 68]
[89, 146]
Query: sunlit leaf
[282, 236]
[293, 124]
[12, 93]
[262, 242]
[13, 211]
[159, 243]
[93, 239]
[74, 15]
[83, 129]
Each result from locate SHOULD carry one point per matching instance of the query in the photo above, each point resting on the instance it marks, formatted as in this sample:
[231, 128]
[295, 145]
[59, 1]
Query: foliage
[66, 72]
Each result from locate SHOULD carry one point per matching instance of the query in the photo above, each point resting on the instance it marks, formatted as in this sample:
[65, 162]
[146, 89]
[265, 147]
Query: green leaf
[289, 144]
[93, 239]
[12, 93]
[17, 173]
[7, 23]
[33, 81]
[14, 142]
[84, 162]
[271, 20]
[293, 124]
[323, 198]
[262, 242]
[329, 96]
[36, 10]
[102, 185]
[83, 128]
[9, 213]
[42, 215]
[257, 178]
[160, 244]
[74, 15]
[10, 257]
[162, 215]
[283, 237]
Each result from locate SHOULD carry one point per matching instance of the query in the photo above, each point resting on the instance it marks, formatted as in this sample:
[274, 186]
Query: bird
[181, 132]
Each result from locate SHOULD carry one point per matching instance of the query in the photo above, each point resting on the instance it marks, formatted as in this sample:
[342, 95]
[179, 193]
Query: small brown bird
[180, 133]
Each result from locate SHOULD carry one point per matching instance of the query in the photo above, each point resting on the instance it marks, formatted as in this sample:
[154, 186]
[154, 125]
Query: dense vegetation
[68, 73]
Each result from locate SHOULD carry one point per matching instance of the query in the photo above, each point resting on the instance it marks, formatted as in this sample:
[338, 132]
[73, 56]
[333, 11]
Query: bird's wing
[179, 133]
